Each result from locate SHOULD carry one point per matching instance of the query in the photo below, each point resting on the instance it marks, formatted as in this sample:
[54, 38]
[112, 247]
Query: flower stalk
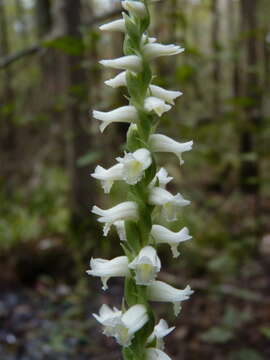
[134, 326]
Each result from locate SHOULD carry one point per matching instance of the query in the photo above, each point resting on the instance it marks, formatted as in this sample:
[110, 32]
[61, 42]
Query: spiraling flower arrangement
[134, 326]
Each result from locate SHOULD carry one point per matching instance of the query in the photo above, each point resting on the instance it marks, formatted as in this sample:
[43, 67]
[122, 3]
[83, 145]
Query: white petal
[163, 235]
[163, 143]
[125, 114]
[136, 8]
[156, 354]
[162, 177]
[124, 211]
[134, 165]
[146, 265]
[109, 268]
[118, 81]
[108, 176]
[166, 95]
[160, 291]
[116, 25]
[157, 105]
[120, 228]
[135, 318]
[154, 50]
[129, 62]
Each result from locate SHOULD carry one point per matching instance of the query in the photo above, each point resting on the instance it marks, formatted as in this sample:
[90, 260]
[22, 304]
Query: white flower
[152, 103]
[116, 25]
[121, 230]
[170, 203]
[127, 210]
[108, 268]
[164, 235]
[108, 176]
[160, 331]
[118, 81]
[136, 8]
[108, 318]
[146, 266]
[129, 62]
[156, 354]
[167, 95]
[132, 321]
[146, 40]
[134, 165]
[163, 143]
[162, 177]
[154, 50]
[125, 114]
[160, 291]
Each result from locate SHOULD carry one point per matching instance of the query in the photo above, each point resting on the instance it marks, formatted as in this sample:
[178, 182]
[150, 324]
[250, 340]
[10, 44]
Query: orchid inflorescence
[134, 326]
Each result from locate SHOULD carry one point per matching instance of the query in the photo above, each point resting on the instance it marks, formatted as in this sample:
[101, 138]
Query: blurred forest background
[49, 145]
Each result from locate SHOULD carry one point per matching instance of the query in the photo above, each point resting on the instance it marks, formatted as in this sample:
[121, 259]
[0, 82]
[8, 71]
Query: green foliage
[246, 354]
[68, 44]
[226, 331]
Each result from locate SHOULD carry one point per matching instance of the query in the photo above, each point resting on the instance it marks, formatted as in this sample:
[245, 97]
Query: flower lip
[146, 266]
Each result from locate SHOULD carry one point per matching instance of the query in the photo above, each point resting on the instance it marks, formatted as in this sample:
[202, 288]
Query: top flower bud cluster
[137, 168]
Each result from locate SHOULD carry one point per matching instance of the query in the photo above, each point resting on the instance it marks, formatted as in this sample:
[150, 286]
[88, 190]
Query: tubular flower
[160, 291]
[108, 318]
[163, 143]
[160, 331]
[108, 268]
[125, 211]
[116, 25]
[163, 235]
[156, 354]
[146, 266]
[136, 8]
[129, 62]
[157, 105]
[154, 50]
[124, 114]
[118, 81]
[161, 179]
[167, 95]
[134, 165]
[146, 188]
[108, 176]
[131, 321]
[170, 203]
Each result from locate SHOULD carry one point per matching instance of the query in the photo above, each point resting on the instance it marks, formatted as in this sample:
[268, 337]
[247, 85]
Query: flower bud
[129, 62]
[116, 25]
[135, 8]
[162, 178]
[118, 81]
[154, 50]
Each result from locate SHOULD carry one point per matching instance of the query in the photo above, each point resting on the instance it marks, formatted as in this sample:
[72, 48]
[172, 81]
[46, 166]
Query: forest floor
[53, 322]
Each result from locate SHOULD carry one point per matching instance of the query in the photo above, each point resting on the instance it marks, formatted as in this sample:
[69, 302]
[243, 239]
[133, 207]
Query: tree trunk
[249, 170]
[77, 119]
[43, 17]
[216, 58]
[7, 128]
